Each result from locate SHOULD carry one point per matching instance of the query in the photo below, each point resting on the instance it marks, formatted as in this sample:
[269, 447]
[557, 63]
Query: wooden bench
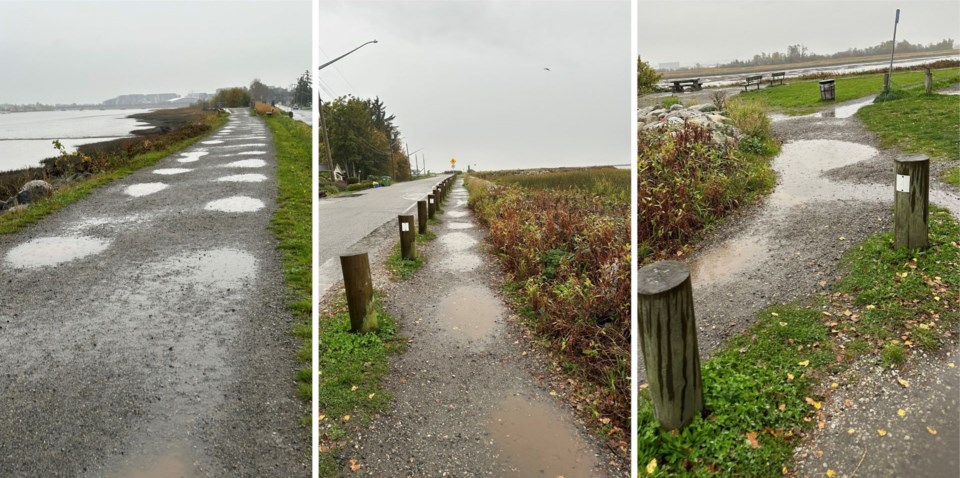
[752, 81]
[777, 77]
[694, 84]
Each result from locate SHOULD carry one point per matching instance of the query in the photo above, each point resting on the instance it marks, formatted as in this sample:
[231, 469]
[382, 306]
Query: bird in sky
[545, 68]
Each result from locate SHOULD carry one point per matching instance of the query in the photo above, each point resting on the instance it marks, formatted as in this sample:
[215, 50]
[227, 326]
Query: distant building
[140, 99]
[673, 65]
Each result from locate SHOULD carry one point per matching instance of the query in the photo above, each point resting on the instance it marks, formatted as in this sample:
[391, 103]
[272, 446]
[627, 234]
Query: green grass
[351, 370]
[403, 269]
[73, 192]
[292, 227]
[803, 97]
[770, 379]
[952, 176]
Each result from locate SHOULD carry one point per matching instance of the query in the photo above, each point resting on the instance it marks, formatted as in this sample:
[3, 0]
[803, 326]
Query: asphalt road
[143, 330]
[346, 220]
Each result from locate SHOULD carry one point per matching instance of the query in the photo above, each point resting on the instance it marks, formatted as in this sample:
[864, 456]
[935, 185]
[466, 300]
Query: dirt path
[470, 398]
[144, 330]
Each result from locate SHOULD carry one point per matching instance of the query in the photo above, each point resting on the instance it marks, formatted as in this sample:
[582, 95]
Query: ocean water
[27, 138]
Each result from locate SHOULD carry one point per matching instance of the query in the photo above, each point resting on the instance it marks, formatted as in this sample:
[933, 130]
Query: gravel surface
[146, 333]
[472, 396]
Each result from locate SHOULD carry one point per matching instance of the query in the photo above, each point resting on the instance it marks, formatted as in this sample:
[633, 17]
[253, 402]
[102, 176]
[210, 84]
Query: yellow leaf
[652, 466]
[804, 363]
[355, 465]
[933, 431]
[370, 397]
[774, 314]
[789, 377]
[882, 432]
[831, 473]
[871, 307]
[903, 383]
[851, 431]
[813, 402]
[346, 418]
[782, 407]
[752, 440]
[783, 324]
[353, 388]
[952, 365]
[834, 385]
[322, 417]
[902, 413]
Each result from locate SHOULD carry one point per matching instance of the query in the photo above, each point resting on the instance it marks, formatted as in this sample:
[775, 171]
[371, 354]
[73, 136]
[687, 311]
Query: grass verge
[292, 227]
[766, 386]
[403, 269]
[72, 192]
[351, 371]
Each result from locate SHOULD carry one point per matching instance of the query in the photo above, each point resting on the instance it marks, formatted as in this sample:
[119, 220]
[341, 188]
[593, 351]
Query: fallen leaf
[789, 377]
[371, 396]
[783, 324]
[851, 431]
[652, 466]
[346, 418]
[774, 314]
[355, 465]
[604, 420]
[951, 365]
[834, 385]
[353, 388]
[804, 363]
[903, 383]
[902, 413]
[782, 407]
[831, 473]
[933, 431]
[882, 432]
[813, 402]
[752, 440]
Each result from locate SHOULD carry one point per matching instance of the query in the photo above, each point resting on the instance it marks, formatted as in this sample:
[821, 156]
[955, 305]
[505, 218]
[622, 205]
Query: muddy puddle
[247, 153]
[460, 225]
[245, 145]
[243, 178]
[191, 157]
[246, 163]
[51, 251]
[536, 441]
[235, 204]
[457, 241]
[171, 171]
[456, 213]
[174, 463]
[471, 313]
[144, 189]
[801, 165]
[843, 110]
[724, 262]
[224, 268]
[459, 262]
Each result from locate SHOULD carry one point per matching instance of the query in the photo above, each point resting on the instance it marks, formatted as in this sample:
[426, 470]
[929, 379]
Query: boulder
[34, 190]
[676, 107]
[675, 120]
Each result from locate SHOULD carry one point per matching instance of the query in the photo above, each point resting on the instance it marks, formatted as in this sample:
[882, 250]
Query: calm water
[27, 138]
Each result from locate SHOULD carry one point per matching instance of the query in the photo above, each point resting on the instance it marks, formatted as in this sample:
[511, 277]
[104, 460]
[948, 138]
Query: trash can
[827, 88]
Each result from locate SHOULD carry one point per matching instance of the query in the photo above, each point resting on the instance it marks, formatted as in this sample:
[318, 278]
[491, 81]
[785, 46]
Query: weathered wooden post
[432, 205]
[422, 216]
[668, 339]
[359, 288]
[408, 237]
[438, 197]
[911, 201]
[927, 81]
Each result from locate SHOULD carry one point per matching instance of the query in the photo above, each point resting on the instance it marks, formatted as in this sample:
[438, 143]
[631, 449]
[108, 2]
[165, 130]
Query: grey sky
[466, 79]
[721, 31]
[86, 52]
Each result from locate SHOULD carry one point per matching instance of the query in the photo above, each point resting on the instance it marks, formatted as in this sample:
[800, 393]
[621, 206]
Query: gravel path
[471, 396]
[144, 330]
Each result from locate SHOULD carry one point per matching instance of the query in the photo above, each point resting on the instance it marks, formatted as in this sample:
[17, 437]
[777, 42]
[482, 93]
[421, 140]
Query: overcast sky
[466, 79]
[725, 30]
[86, 52]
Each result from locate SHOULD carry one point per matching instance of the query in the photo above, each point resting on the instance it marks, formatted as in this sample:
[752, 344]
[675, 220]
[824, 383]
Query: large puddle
[191, 157]
[723, 262]
[246, 145]
[246, 163]
[235, 204]
[459, 262]
[175, 463]
[460, 225]
[535, 441]
[144, 189]
[51, 251]
[457, 213]
[212, 141]
[224, 268]
[243, 178]
[457, 241]
[470, 312]
[801, 165]
[171, 171]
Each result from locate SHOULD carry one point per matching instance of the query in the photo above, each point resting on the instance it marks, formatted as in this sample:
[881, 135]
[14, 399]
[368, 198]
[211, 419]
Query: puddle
[460, 225]
[176, 463]
[191, 157]
[456, 213]
[801, 165]
[244, 178]
[224, 268]
[246, 163]
[457, 241]
[144, 189]
[235, 204]
[170, 171]
[460, 262]
[469, 312]
[847, 110]
[247, 137]
[51, 251]
[247, 153]
[92, 222]
[535, 441]
[247, 145]
[721, 263]
[212, 141]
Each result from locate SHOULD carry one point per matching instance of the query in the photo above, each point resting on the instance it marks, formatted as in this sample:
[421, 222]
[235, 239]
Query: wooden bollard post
[359, 288]
[431, 206]
[422, 216]
[911, 201]
[668, 339]
[927, 81]
[408, 237]
[438, 196]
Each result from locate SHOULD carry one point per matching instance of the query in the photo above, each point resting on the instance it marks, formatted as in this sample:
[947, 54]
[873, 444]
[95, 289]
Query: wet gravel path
[471, 396]
[143, 329]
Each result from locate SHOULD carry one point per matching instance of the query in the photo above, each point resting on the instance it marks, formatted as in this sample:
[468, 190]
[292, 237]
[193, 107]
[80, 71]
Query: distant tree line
[364, 140]
[298, 94]
[798, 53]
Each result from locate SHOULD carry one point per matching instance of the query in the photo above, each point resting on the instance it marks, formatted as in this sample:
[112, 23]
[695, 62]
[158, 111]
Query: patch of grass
[427, 236]
[803, 97]
[292, 140]
[351, 370]
[952, 176]
[75, 191]
[403, 269]
[919, 123]
[669, 101]
[893, 355]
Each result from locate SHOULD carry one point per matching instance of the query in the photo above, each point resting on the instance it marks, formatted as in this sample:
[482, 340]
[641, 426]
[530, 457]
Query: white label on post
[431, 200]
[404, 226]
[903, 183]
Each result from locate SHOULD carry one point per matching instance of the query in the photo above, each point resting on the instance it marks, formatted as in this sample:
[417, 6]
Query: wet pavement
[469, 397]
[143, 330]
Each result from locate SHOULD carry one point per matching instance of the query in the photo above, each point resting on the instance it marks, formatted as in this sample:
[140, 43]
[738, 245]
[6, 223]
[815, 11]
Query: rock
[675, 120]
[34, 190]
[18, 207]
[676, 107]
[706, 107]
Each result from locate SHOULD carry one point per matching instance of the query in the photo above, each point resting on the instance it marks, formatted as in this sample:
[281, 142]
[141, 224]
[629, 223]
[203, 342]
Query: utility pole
[893, 48]
[323, 125]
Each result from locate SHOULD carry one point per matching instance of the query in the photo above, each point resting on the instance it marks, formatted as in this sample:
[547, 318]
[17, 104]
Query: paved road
[143, 330]
[304, 115]
[346, 220]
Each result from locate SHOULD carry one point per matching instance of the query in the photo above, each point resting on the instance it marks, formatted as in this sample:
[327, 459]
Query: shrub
[647, 78]
[359, 186]
[750, 117]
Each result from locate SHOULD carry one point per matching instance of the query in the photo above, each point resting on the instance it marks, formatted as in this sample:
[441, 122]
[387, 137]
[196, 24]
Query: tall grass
[606, 181]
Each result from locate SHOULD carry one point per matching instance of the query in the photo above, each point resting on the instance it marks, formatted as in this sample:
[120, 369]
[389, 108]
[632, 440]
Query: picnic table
[693, 83]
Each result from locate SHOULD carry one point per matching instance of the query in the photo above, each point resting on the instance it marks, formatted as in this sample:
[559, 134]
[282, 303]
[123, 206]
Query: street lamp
[323, 124]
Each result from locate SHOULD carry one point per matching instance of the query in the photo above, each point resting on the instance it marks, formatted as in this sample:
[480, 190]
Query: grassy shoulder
[120, 167]
[292, 227]
[351, 370]
[403, 269]
[803, 97]
[767, 385]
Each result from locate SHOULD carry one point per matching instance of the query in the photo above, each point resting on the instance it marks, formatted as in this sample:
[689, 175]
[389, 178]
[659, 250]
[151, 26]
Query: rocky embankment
[706, 116]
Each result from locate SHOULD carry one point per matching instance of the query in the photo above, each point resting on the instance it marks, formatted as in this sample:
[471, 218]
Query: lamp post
[323, 124]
